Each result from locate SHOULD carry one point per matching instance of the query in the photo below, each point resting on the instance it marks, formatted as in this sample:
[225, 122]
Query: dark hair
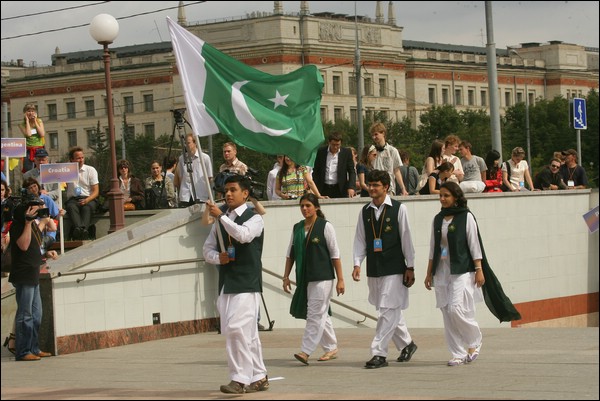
[73, 150]
[312, 198]
[445, 166]
[29, 182]
[456, 191]
[334, 136]
[490, 158]
[242, 181]
[379, 176]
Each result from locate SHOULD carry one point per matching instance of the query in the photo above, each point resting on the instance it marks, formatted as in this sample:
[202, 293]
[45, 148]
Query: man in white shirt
[383, 237]
[191, 192]
[474, 169]
[388, 159]
[271, 195]
[82, 196]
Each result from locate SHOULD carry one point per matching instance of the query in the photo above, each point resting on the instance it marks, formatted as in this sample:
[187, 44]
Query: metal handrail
[183, 261]
[335, 301]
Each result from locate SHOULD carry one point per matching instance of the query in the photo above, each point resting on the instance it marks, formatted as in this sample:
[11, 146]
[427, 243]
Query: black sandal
[12, 349]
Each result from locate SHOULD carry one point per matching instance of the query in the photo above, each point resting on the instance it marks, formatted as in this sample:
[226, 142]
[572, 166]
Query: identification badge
[377, 245]
[444, 253]
[231, 253]
[570, 183]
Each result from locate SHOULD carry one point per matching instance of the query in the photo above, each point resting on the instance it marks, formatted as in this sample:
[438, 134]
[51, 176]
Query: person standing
[240, 285]
[190, 192]
[161, 186]
[24, 276]
[410, 174]
[34, 132]
[232, 164]
[81, 196]
[314, 249]
[334, 172]
[459, 268]
[388, 159]
[572, 173]
[272, 177]
[383, 236]
[363, 167]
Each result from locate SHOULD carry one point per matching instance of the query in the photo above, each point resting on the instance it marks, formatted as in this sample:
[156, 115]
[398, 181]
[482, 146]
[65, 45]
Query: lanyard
[373, 219]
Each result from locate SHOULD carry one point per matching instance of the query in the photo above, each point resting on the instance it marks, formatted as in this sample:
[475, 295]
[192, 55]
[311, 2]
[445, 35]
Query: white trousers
[319, 328]
[472, 186]
[460, 327]
[390, 297]
[239, 313]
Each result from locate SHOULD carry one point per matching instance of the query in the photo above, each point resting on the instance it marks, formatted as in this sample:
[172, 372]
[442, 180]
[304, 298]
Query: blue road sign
[579, 114]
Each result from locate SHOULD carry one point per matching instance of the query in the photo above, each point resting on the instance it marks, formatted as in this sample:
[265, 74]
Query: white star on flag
[279, 100]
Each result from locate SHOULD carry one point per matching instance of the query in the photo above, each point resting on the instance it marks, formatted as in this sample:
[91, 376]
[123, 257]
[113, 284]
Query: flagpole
[210, 195]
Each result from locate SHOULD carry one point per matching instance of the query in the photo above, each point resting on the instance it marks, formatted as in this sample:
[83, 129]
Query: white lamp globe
[104, 28]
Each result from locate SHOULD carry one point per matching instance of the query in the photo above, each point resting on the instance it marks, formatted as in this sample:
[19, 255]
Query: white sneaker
[456, 361]
[474, 355]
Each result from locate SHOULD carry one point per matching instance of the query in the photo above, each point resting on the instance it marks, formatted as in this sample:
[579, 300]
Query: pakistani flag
[274, 114]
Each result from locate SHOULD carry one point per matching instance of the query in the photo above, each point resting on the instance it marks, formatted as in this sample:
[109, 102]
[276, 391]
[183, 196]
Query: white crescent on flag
[245, 117]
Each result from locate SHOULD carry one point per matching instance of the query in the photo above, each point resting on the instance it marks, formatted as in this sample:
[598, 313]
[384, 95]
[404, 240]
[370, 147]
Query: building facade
[398, 78]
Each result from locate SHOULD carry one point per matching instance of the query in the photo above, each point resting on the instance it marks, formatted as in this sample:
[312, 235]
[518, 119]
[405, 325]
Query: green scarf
[299, 303]
[495, 298]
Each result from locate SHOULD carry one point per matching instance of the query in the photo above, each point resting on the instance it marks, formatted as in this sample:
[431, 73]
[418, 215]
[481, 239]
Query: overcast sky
[453, 22]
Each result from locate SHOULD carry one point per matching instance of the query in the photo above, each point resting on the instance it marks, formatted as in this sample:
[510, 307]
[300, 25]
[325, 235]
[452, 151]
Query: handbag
[503, 187]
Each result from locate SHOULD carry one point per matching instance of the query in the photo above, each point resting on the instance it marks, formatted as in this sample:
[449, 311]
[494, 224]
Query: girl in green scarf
[314, 250]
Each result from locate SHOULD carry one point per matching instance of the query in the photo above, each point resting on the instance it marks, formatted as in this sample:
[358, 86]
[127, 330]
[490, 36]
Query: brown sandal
[329, 356]
[302, 357]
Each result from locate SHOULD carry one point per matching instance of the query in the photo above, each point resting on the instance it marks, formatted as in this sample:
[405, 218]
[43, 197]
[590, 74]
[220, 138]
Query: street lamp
[104, 29]
[513, 51]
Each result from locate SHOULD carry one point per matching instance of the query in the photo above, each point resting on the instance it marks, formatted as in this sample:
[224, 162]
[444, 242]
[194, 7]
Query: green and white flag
[273, 114]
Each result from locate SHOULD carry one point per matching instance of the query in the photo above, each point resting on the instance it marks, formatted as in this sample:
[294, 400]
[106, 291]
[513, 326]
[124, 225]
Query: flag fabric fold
[273, 114]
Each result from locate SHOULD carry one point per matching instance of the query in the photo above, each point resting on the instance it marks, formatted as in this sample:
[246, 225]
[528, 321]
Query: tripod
[179, 126]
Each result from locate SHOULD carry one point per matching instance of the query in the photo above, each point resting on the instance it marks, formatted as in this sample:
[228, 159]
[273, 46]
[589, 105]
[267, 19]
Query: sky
[66, 23]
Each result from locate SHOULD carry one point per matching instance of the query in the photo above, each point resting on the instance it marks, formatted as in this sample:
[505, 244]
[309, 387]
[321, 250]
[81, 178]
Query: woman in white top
[519, 175]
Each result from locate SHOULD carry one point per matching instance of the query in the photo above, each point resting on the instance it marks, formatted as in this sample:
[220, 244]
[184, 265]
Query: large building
[398, 78]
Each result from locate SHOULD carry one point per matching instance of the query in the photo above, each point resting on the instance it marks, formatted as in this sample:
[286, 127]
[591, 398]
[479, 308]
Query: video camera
[256, 188]
[178, 116]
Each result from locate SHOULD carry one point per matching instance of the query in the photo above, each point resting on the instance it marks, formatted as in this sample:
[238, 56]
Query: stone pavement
[519, 363]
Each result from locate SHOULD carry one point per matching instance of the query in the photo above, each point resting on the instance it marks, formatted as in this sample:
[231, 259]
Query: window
[432, 95]
[337, 85]
[520, 97]
[445, 96]
[72, 135]
[531, 96]
[128, 104]
[89, 108]
[149, 130]
[71, 113]
[353, 116]
[53, 140]
[368, 86]
[370, 114]
[483, 95]
[149, 102]
[384, 114]
[52, 113]
[458, 97]
[352, 84]
[471, 97]
[338, 114]
[323, 114]
[90, 135]
[383, 87]
[507, 99]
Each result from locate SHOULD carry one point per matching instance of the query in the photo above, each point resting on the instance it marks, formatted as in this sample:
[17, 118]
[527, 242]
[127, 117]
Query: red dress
[493, 184]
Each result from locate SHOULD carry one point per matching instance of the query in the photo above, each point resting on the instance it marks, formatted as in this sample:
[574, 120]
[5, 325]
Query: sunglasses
[554, 166]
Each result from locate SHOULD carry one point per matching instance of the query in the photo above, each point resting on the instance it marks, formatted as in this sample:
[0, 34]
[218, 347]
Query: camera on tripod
[257, 189]
[178, 116]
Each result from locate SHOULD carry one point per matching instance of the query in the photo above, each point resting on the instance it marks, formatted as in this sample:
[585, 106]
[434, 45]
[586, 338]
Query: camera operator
[232, 164]
[25, 274]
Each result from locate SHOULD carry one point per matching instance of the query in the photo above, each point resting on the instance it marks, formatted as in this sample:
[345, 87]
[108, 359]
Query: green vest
[391, 259]
[461, 260]
[317, 260]
[244, 274]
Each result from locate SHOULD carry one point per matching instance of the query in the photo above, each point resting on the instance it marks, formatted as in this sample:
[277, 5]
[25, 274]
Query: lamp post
[104, 29]
[527, 133]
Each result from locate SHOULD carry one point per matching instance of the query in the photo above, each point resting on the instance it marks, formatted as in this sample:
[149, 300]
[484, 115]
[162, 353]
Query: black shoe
[376, 362]
[407, 352]
[84, 234]
[261, 327]
[77, 234]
